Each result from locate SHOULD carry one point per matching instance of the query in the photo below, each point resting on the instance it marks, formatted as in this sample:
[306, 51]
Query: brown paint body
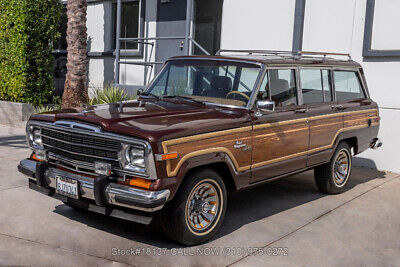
[277, 143]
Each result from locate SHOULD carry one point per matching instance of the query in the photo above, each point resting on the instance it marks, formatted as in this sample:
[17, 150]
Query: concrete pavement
[359, 227]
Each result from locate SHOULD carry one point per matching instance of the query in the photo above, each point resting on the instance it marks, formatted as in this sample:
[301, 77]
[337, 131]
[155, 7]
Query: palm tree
[75, 88]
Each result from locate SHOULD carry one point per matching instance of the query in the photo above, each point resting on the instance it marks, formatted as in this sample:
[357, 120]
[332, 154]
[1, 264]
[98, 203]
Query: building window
[130, 24]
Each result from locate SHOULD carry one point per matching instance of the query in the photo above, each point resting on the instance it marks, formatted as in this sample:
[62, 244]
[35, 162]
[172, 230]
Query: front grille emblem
[77, 125]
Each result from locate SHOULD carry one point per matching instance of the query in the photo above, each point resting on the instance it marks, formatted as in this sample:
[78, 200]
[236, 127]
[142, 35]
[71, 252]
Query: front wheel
[198, 209]
[332, 177]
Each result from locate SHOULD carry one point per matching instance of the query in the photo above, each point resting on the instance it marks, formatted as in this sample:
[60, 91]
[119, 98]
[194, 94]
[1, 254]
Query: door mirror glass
[139, 91]
[266, 105]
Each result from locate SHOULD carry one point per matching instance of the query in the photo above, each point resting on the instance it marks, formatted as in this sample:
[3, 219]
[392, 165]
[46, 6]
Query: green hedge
[28, 28]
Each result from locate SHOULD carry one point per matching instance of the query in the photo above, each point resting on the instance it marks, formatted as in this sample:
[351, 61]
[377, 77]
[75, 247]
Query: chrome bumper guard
[115, 194]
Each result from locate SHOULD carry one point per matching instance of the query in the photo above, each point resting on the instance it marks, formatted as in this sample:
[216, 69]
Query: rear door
[325, 118]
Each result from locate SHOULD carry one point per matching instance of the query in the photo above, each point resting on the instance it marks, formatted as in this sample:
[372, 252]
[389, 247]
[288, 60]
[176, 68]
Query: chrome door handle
[239, 146]
[302, 110]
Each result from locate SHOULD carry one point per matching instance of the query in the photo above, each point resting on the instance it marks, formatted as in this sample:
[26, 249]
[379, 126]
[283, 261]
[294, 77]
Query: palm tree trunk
[75, 88]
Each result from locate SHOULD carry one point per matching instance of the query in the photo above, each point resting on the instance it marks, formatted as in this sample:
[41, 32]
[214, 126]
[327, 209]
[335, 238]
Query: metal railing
[147, 57]
[187, 40]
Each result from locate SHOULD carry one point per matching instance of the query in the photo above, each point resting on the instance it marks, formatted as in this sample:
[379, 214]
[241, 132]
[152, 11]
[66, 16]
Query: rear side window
[316, 86]
[347, 86]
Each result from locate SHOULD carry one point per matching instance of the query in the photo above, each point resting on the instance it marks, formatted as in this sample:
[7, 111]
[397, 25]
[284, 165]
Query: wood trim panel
[223, 141]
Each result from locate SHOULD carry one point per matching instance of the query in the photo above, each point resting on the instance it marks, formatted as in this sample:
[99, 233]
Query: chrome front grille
[77, 147]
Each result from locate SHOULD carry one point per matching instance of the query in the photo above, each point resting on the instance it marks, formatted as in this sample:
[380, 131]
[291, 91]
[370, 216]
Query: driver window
[282, 87]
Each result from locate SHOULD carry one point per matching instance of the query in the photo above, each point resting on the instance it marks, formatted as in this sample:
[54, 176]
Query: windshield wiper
[149, 94]
[184, 98]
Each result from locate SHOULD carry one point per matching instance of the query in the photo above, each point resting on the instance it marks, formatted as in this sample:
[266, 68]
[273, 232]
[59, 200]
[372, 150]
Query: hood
[156, 121]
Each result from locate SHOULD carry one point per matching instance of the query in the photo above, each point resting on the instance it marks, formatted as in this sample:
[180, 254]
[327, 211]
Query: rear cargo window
[347, 86]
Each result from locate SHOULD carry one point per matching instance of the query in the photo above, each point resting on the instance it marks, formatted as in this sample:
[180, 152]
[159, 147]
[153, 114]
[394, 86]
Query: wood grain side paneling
[271, 142]
[324, 130]
[216, 142]
[351, 120]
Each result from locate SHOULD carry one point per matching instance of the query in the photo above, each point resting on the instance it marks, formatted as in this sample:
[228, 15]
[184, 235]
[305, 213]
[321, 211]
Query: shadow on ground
[15, 141]
[243, 207]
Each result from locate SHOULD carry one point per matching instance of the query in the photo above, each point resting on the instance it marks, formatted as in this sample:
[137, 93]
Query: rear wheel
[198, 209]
[332, 178]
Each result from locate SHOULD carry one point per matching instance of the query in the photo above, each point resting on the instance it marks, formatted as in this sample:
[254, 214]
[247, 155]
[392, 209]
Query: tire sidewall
[180, 230]
[334, 187]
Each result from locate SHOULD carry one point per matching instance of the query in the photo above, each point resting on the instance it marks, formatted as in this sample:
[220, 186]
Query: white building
[367, 29]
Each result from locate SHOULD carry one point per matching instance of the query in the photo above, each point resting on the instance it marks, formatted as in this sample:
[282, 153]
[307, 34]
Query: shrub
[43, 109]
[48, 108]
[108, 95]
[28, 28]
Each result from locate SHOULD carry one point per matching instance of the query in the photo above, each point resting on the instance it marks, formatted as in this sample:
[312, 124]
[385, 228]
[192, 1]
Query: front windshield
[220, 82]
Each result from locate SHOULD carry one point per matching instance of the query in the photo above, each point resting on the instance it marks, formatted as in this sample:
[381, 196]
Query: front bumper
[43, 179]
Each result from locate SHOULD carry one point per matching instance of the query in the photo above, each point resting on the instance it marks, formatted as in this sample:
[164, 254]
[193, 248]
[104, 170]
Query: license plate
[67, 187]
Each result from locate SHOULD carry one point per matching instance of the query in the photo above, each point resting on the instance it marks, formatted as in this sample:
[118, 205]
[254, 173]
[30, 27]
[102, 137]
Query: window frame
[128, 52]
[250, 104]
[360, 80]
[299, 97]
[331, 83]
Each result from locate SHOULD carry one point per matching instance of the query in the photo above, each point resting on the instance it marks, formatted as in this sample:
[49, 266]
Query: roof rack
[283, 53]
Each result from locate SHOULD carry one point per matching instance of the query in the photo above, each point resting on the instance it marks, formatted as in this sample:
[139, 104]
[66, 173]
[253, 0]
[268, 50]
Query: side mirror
[265, 105]
[139, 91]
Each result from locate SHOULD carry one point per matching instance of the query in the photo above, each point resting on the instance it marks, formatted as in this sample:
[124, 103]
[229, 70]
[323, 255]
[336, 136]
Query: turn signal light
[137, 182]
[169, 156]
[36, 158]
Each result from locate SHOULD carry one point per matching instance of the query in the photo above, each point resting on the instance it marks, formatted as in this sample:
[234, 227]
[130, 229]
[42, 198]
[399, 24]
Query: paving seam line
[66, 249]
[315, 219]
[15, 187]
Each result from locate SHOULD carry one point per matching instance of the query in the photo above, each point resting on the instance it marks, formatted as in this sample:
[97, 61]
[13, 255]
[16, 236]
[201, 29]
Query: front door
[280, 138]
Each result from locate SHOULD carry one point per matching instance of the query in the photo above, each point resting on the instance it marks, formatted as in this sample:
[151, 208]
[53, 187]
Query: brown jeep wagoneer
[205, 126]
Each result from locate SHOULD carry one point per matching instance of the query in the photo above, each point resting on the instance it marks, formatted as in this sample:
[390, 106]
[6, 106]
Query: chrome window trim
[150, 173]
[257, 86]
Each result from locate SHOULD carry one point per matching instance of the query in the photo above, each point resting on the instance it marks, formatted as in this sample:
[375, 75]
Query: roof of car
[279, 60]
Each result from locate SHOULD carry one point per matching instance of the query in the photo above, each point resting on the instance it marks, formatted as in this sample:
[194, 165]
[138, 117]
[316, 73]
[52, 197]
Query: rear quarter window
[348, 86]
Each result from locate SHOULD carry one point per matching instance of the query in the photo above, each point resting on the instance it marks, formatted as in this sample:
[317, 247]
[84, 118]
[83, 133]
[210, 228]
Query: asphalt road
[289, 218]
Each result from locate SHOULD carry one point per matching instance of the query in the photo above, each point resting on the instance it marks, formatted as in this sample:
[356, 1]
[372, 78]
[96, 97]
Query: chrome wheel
[203, 207]
[341, 169]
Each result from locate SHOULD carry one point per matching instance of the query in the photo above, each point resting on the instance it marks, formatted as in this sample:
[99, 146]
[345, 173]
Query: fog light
[102, 168]
[41, 154]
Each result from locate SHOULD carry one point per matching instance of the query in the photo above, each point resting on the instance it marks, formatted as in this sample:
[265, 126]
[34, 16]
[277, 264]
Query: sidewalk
[358, 227]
